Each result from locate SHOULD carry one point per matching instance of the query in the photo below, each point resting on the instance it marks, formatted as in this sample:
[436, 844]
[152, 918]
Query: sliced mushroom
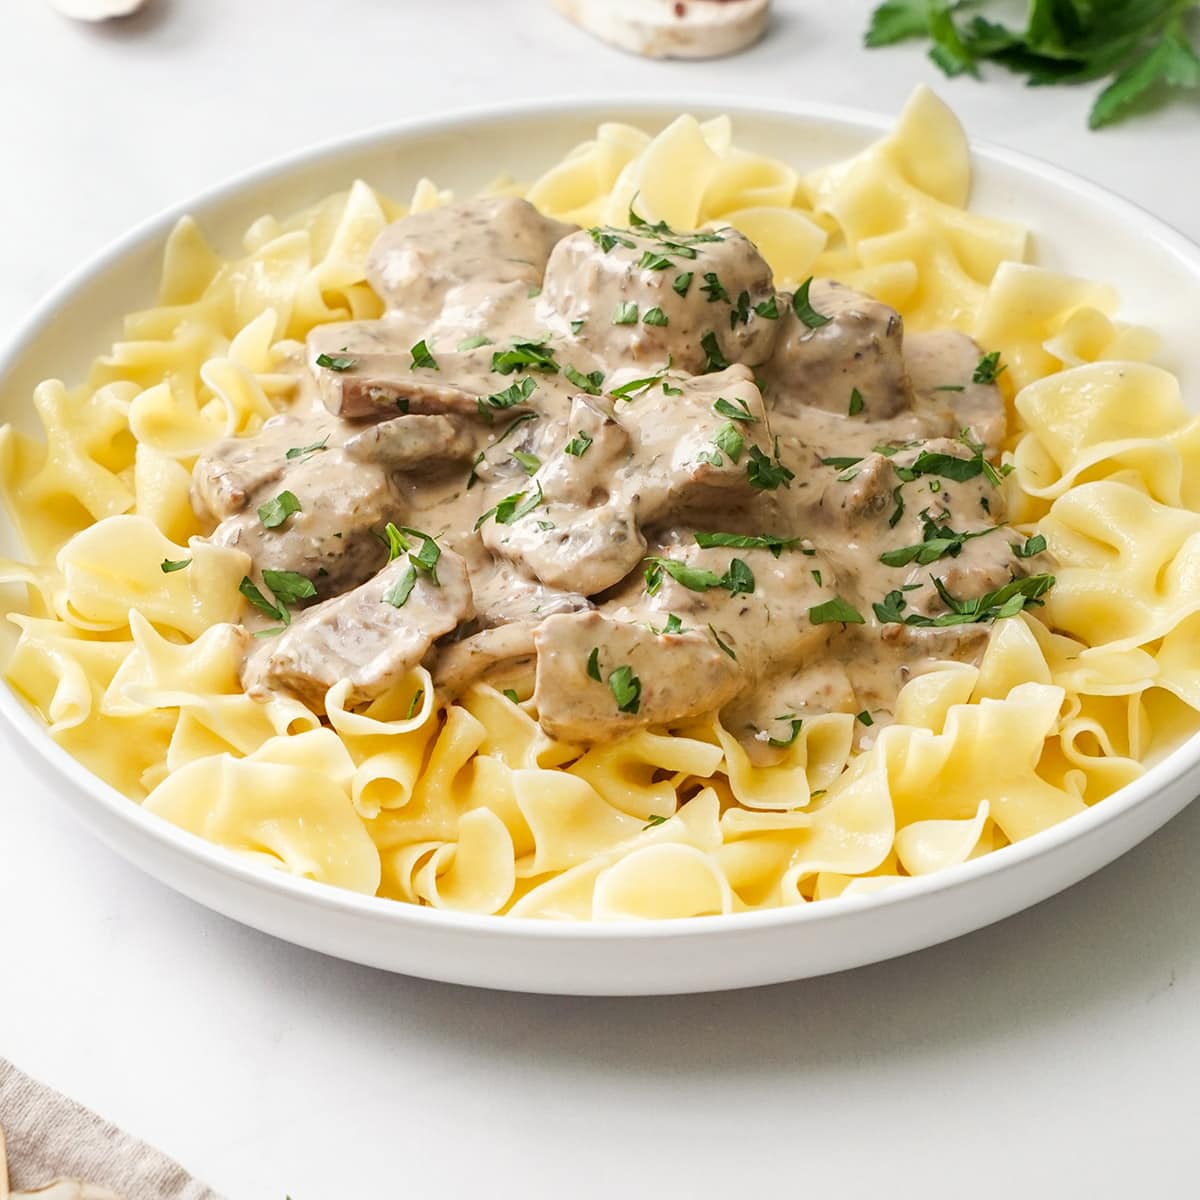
[671, 28]
[96, 10]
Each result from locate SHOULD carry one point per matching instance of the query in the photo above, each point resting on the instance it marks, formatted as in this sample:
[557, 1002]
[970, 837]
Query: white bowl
[1077, 227]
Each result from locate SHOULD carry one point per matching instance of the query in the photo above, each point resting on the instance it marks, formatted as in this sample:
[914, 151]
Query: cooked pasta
[128, 648]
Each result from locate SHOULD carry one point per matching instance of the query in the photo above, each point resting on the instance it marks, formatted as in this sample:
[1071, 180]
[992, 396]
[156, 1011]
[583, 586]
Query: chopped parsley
[938, 541]
[513, 508]
[683, 281]
[593, 665]
[836, 609]
[592, 383]
[424, 560]
[578, 324]
[626, 688]
[653, 821]
[724, 646]
[988, 369]
[275, 512]
[422, 358]
[514, 394]
[840, 462]
[856, 402]
[784, 742]
[768, 309]
[529, 462]
[1005, 601]
[525, 355]
[803, 309]
[763, 473]
[650, 261]
[714, 360]
[511, 696]
[738, 579]
[414, 704]
[865, 717]
[740, 312]
[626, 314]
[473, 343]
[286, 588]
[746, 541]
[519, 419]
[1032, 546]
[714, 288]
[579, 444]
[173, 564]
[655, 316]
[636, 387]
[336, 362]
[673, 625]
[305, 452]
[741, 413]
[397, 595]
[606, 239]
[730, 441]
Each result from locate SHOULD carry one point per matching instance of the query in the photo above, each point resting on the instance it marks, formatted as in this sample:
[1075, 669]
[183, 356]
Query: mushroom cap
[671, 28]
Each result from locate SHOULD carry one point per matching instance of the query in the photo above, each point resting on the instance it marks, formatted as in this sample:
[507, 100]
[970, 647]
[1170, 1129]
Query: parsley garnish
[513, 508]
[654, 262]
[655, 316]
[728, 439]
[422, 358]
[673, 625]
[473, 343]
[714, 288]
[1033, 545]
[286, 587]
[738, 579]
[397, 595]
[515, 393]
[626, 688]
[682, 282]
[740, 312]
[940, 541]
[741, 413]
[425, 559]
[988, 368]
[578, 324]
[592, 383]
[762, 473]
[579, 444]
[856, 402]
[768, 309]
[606, 239]
[635, 387]
[305, 452]
[626, 314]
[593, 665]
[727, 648]
[865, 717]
[414, 704]
[530, 462]
[653, 821]
[275, 512]
[841, 463]
[335, 363]
[746, 541]
[714, 360]
[836, 609]
[522, 355]
[804, 310]
[173, 564]
[511, 696]
[1005, 601]
[520, 419]
[784, 742]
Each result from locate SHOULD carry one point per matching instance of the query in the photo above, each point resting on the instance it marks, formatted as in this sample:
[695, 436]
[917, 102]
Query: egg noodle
[470, 806]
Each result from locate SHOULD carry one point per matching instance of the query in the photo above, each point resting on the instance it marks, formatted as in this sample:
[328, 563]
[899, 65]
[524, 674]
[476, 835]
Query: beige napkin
[52, 1138]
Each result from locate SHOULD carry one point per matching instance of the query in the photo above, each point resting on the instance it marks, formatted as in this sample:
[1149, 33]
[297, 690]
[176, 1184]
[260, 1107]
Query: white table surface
[1055, 1054]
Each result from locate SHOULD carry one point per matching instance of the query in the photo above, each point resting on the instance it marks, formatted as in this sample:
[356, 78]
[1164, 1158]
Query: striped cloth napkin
[58, 1150]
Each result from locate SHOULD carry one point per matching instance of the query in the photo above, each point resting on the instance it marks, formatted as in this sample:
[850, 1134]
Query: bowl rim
[207, 855]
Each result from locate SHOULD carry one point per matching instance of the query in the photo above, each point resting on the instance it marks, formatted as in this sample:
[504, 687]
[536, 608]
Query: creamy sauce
[562, 411]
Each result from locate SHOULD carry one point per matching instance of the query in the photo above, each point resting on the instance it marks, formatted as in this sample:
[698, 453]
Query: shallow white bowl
[1077, 227]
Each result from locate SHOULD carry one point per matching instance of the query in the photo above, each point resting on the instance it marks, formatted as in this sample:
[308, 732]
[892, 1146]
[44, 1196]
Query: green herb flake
[529, 462]
[695, 579]
[728, 439]
[525, 355]
[682, 283]
[714, 288]
[511, 696]
[578, 446]
[768, 309]
[397, 595]
[654, 316]
[274, 512]
[765, 474]
[514, 394]
[745, 541]
[856, 402]
[804, 309]
[513, 507]
[1032, 546]
[626, 688]
[865, 717]
[473, 343]
[988, 369]
[305, 452]
[740, 312]
[653, 821]
[836, 609]
[592, 383]
[840, 462]
[740, 413]
[626, 314]
[650, 261]
[714, 360]
[593, 665]
[421, 357]
[723, 645]
[168, 565]
[577, 325]
[414, 704]
[335, 362]
[796, 724]
[289, 587]
[738, 580]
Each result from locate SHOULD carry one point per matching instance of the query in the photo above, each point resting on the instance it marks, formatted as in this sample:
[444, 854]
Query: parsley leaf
[940, 541]
[695, 579]
[726, 648]
[1032, 546]
[655, 316]
[836, 609]
[592, 383]
[856, 402]
[784, 742]
[728, 439]
[714, 360]
[513, 508]
[473, 343]
[422, 358]
[288, 587]
[745, 541]
[521, 355]
[714, 288]
[335, 362]
[626, 314]
[275, 512]
[514, 394]
[397, 595]
[177, 564]
[626, 688]
[768, 309]
[804, 310]
[762, 473]
[305, 452]
[579, 444]
[988, 368]
[742, 413]
[593, 665]
[682, 283]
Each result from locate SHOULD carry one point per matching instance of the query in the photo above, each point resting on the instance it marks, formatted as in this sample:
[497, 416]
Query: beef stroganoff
[674, 535]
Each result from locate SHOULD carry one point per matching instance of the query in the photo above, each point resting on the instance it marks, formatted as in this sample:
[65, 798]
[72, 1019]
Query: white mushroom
[96, 10]
[671, 28]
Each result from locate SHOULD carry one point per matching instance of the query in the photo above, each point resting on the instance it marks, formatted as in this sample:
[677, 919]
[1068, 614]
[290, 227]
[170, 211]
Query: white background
[1055, 1054]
